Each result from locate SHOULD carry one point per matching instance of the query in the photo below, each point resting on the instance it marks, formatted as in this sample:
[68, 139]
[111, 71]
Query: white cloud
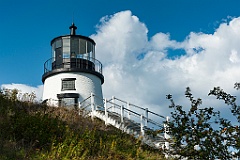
[234, 56]
[25, 89]
[121, 35]
[209, 60]
[162, 41]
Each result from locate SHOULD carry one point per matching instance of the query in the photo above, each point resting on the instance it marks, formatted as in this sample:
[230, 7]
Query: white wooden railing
[129, 118]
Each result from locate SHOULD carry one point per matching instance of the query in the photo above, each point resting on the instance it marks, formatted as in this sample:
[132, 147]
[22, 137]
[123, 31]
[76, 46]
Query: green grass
[35, 131]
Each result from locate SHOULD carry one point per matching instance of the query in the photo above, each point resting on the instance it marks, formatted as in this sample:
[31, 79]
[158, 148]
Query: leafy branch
[201, 133]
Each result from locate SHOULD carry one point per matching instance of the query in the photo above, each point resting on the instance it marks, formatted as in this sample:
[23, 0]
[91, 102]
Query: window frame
[68, 80]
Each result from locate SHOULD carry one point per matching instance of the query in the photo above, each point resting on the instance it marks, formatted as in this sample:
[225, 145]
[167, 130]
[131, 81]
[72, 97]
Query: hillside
[36, 131]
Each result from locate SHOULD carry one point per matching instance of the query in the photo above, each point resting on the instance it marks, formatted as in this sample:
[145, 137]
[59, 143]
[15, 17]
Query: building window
[68, 100]
[68, 84]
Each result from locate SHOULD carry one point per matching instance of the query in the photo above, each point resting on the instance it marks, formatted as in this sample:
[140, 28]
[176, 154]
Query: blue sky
[148, 48]
[28, 26]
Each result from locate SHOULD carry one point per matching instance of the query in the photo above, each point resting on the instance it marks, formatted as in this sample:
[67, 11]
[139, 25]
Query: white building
[73, 73]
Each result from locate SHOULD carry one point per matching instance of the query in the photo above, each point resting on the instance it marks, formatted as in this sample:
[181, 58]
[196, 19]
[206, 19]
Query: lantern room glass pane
[56, 46]
[82, 46]
[58, 43]
[75, 45]
[53, 54]
[89, 47]
[66, 47]
[66, 55]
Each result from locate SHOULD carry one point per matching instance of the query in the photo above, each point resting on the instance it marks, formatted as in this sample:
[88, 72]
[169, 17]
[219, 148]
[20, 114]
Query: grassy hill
[35, 131]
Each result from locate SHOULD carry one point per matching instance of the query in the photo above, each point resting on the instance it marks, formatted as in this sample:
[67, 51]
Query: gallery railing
[83, 62]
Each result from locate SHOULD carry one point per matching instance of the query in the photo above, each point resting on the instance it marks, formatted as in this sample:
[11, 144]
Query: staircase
[132, 119]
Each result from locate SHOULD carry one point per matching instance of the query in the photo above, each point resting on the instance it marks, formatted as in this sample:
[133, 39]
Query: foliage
[36, 131]
[17, 95]
[201, 133]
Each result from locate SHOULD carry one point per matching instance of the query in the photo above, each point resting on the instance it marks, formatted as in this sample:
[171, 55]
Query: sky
[148, 48]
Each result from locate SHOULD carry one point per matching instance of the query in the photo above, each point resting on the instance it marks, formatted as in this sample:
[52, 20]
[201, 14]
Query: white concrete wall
[85, 84]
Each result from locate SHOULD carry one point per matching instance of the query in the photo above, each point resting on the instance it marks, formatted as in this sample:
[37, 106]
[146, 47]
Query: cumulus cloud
[120, 38]
[139, 69]
[25, 89]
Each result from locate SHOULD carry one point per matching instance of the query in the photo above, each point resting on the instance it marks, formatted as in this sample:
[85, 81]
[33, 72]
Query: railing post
[166, 131]
[142, 125]
[79, 107]
[113, 101]
[128, 107]
[166, 128]
[106, 112]
[92, 106]
[122, 113]
[146, 117]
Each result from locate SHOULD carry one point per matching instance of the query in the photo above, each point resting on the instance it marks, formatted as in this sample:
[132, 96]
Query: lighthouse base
[69, 89]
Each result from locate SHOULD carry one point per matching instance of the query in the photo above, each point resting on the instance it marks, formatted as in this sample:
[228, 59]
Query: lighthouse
[72, 73]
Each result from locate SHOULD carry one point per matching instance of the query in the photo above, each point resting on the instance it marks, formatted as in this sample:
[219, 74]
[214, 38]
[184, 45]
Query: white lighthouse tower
[72, 73]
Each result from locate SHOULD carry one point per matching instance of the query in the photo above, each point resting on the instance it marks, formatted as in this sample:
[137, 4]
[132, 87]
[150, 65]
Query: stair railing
[124, 110]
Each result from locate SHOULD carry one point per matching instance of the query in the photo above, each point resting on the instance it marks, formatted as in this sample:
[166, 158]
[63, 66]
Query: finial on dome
[73, 29]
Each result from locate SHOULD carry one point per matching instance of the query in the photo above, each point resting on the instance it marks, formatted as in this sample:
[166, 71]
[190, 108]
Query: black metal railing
[83, 62]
